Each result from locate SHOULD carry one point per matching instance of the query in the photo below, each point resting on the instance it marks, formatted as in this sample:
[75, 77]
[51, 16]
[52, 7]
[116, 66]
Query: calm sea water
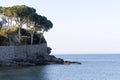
[93, 67]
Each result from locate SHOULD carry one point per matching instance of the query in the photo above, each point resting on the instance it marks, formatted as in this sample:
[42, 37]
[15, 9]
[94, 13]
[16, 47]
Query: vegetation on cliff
[21, 25]
[14, 18]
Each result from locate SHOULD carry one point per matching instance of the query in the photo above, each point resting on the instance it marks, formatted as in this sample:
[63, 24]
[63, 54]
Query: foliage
[25, 15]
[1, 24]
[5, 31]
[3, 41]
[4, 35]
[26, 37]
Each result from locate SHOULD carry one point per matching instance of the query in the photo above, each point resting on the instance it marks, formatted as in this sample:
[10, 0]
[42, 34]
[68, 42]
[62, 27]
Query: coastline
[51, 59]
[32, 55]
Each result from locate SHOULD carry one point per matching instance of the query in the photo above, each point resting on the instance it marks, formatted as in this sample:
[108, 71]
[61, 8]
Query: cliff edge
[29, 55]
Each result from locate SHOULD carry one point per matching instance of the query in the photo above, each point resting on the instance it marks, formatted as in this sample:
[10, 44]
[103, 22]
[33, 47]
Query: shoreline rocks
[41, 60]
[38, 59]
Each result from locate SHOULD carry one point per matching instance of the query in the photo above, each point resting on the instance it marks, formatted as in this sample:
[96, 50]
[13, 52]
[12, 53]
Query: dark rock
[71, 62]
[39, 60]
[49, 50]
[53, 59]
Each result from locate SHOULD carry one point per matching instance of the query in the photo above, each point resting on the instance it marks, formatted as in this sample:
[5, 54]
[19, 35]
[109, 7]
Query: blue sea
[93, 67]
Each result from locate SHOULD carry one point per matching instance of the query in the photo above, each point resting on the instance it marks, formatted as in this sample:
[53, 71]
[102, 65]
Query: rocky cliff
[29, 55]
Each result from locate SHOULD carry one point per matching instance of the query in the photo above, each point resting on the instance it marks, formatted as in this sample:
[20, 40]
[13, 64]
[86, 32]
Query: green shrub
[5, 31]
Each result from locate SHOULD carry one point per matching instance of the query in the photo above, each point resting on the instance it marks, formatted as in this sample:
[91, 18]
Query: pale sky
[80, 26]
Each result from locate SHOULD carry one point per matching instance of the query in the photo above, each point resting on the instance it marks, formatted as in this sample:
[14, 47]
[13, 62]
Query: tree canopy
[20, 15]
[23, 14]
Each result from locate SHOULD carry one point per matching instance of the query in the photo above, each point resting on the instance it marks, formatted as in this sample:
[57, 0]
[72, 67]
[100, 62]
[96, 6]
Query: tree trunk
[32, 38]
[19, 34]
[32, 35]
[41, 36]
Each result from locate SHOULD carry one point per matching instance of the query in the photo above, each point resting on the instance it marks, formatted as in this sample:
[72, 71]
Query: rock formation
[38, 59]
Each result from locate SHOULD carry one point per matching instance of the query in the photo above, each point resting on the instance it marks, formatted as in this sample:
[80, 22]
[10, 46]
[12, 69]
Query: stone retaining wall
[8, 53]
